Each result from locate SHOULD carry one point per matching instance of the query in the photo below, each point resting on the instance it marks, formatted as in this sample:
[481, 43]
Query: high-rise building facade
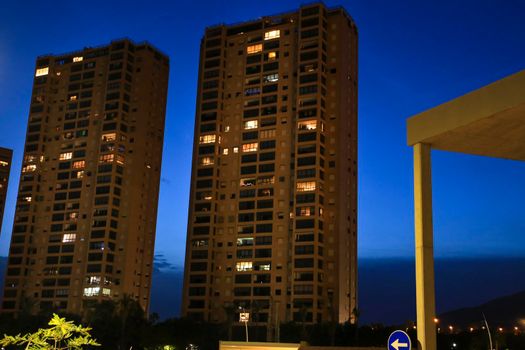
[86, 210]
[272, 217]
[6, 155]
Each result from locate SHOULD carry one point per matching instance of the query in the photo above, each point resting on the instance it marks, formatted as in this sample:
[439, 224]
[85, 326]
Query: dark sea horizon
[386, 286]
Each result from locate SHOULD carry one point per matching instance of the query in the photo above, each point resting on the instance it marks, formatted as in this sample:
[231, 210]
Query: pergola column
[425, 294]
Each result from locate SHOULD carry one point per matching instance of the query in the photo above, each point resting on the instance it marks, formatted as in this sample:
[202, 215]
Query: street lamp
[244, 317]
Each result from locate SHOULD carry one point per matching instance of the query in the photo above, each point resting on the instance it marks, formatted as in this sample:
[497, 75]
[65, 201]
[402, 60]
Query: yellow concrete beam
[489, 121]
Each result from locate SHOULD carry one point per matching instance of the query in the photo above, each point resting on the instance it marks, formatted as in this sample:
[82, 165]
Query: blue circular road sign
[399, 340]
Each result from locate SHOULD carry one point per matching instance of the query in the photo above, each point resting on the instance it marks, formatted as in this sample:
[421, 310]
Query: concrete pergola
[489, 122]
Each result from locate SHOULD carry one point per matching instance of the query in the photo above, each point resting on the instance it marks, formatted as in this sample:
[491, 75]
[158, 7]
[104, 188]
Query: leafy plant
[62, 335]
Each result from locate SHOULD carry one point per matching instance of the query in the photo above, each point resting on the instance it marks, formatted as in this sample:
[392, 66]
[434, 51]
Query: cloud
[161, 264]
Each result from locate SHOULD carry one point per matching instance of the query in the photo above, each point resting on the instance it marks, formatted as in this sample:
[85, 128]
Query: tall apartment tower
[272, 217]
[6, 155]
[86, 210]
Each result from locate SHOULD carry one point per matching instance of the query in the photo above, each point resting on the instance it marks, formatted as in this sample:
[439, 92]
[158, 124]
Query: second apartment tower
[272, 217]
[86, 210]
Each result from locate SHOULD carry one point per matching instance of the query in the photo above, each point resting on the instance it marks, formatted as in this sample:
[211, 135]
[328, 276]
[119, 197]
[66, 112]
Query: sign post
[245, 317]
[399, 340]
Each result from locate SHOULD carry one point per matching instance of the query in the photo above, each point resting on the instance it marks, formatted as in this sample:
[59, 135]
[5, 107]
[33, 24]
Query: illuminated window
[208, 196]
[247, 182]
[244, 241]
[235, 149]
[254, 49]
[265, 267]
[106, 292]
[42, 71]
[29, 168]
[93, 280]
[244, 266]
[206, 161]
[78, 59]
[273, 34]
[307, 125]
[29, 158]
[306, 211]
[78, 164]
[199, 243]
[65, 156]
[250, 147]
[272, 55]
[271, 78]
[26, 199]
[91, 291]
[106, 158]
[73, 98]
[207, 139]
[69, 237]
[251, 124]
[109, 137]
[225, 151]
[306, 186]
[226, 128]
[80, 174]
[120, 159]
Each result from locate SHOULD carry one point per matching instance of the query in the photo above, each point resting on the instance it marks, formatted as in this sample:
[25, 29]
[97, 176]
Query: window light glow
[42, 71]
[271, 78]
[65, 156]
[91, 291]
[29, 168]
[207, 139]
[244, 266]
[272, 55]
[307, 125]
[69, 237]
[244, 241]
[273, 34]
[254, 49]
[247, 182]
[106, 158]
[206, 161]
[78, 59]
[265, 267]
[250, 147]
[306, 186]
[109, 137]
[251, 124]
[120, 159]
[78, 164]
[93, 280]
[306, 211]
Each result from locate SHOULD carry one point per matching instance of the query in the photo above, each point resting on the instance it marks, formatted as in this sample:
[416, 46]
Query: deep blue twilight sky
[413, 55]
